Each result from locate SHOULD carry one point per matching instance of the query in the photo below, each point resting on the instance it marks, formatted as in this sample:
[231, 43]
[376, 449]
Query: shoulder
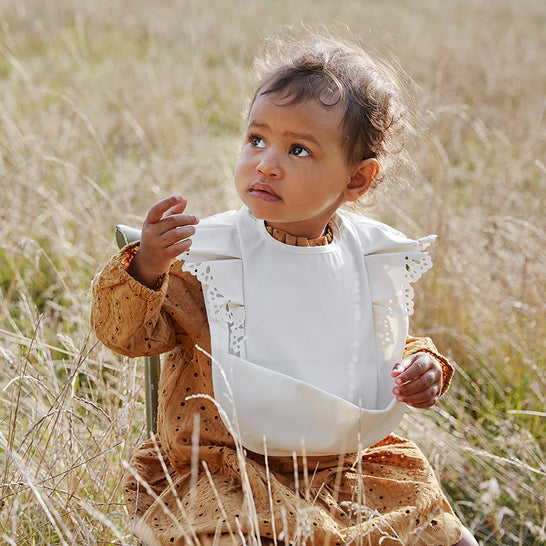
[376, 236]
[215, 237]
[222, 220]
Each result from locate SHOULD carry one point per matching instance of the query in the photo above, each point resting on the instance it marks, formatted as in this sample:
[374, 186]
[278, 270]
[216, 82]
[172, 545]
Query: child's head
[336, 74]
[321, 127]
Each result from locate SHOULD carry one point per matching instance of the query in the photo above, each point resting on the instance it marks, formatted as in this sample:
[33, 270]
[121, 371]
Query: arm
[144, 306]
[134, 320]
[423, 374]
[125, 314]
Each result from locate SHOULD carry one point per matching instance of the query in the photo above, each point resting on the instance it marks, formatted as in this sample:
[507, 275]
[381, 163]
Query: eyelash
[252, 139]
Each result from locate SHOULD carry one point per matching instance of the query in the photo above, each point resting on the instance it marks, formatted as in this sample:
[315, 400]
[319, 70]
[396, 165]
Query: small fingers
[428, 379]
[412, 367]
[401, 366]
[179, 247]
[159, 252]
[177, 209]
[155, 214]
[422, 399]
[175, 221]
[176, 235]
[418, 380]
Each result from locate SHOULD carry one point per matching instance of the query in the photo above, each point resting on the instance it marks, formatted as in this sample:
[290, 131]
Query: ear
[362, 178]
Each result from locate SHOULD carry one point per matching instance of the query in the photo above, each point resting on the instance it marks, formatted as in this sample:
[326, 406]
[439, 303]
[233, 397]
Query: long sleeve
[425, 345]
[134, 320]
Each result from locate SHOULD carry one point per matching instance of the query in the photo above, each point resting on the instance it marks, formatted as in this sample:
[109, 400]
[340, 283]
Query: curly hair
[376, 119]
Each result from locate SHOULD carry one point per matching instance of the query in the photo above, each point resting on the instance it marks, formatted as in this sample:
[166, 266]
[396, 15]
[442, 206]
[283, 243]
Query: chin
[259, 213]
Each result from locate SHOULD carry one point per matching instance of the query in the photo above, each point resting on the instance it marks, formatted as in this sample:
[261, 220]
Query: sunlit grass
[106, 107]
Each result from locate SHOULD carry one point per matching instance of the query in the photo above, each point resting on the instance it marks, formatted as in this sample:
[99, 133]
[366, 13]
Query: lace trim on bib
[415, 268]
[220, 306]
[401, 304]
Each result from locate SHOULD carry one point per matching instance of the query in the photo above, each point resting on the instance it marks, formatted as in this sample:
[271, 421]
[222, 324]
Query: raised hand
[418, 380]
[165, 235]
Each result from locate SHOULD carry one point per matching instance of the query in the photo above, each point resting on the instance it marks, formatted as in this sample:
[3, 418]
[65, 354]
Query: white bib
[304, 338]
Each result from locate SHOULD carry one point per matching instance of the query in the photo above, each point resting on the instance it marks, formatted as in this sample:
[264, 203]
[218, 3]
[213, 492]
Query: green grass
[105, 108]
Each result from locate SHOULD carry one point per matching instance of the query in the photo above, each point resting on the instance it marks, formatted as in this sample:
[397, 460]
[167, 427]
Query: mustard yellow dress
[192, 485]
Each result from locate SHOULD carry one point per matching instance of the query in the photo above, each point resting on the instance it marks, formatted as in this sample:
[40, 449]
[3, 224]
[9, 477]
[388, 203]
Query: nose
[270, 164]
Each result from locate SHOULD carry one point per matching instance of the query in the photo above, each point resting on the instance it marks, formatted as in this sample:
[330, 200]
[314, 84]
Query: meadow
[106, 107]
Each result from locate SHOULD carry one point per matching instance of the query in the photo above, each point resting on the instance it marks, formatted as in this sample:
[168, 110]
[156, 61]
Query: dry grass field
[105, 107]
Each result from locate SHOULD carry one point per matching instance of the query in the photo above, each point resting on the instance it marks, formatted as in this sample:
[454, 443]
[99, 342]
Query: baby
[286, 326]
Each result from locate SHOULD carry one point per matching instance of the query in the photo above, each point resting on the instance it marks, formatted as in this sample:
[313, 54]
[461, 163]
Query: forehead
[308, 116]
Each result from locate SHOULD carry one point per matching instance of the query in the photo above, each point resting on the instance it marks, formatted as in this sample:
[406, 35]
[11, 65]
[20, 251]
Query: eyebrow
[293, 134]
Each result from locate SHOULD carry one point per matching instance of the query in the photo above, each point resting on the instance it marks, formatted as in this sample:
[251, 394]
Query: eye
[256, 141]
[299, 151]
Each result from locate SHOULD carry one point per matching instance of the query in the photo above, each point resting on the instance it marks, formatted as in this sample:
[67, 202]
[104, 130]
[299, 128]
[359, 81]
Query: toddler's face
[293, 169]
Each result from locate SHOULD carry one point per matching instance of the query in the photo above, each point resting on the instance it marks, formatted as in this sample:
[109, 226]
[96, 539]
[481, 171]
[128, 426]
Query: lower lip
[264, 195]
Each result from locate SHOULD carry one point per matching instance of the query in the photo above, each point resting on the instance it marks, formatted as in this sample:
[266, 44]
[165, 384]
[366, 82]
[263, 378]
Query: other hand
[165, 235]
[418, 379]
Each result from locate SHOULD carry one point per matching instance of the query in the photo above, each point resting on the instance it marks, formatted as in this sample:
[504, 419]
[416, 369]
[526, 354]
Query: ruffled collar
[288, 239]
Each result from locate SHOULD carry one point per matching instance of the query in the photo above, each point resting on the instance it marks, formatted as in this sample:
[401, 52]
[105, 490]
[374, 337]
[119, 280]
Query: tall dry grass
[106, 107]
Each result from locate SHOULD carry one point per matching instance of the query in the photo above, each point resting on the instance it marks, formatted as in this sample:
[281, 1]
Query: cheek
[243, 166]
[238, 170]
[242, 176]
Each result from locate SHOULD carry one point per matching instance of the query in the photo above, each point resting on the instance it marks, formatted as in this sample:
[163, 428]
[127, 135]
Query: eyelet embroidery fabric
[401, 305]
[415, 268]
[219, 305]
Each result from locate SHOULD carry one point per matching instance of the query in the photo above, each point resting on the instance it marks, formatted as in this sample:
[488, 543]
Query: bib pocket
[263, 407]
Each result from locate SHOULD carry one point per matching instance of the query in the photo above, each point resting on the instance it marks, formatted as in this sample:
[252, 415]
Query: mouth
[263, 191]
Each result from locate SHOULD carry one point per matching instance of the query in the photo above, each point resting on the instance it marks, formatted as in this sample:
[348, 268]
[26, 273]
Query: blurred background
[107, 107]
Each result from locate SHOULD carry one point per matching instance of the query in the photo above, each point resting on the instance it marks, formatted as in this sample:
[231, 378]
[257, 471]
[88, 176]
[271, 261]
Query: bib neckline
[272, 241]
